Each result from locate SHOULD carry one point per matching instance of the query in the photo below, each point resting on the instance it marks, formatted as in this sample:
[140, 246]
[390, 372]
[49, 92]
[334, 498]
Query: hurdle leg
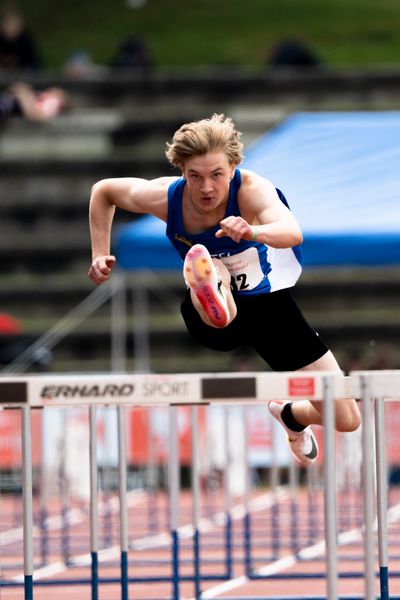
[196, 502]
[294, 521]
[330, 489]
[123, 509]
[368, 487]
[43, 514]
[228, 494]
[64, 493]
[247, 541]
[151, 478]
[381, 478]
[27, 500]
[173, 472]
[94, 514]
[275, 481]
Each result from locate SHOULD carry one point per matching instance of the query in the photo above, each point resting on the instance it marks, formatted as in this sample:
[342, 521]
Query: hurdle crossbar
[170, 389]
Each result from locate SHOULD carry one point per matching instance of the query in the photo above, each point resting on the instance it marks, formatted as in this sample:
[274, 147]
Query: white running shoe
[302, 444]
[201, 276]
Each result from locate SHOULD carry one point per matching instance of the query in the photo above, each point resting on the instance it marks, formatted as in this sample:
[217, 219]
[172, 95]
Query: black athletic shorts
[272, 324]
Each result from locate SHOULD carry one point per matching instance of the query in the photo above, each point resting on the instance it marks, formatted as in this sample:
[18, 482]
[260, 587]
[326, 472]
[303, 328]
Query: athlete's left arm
[264, 217]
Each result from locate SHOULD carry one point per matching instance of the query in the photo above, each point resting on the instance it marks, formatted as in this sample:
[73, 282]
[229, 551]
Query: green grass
[357, 33]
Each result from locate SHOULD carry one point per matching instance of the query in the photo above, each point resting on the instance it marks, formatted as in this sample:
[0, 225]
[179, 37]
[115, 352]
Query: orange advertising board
[10, 439]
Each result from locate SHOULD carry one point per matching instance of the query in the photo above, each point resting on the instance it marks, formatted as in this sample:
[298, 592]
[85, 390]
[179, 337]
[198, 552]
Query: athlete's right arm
[132, 194]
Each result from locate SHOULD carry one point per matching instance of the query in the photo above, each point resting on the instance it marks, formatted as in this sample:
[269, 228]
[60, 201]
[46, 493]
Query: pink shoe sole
[202, 278]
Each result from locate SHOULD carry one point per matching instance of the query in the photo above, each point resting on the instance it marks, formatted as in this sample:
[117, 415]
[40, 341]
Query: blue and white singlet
[255, 268]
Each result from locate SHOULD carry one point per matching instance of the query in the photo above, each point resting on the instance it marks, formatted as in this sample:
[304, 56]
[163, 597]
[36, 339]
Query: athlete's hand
[236, 228]
[101, 267]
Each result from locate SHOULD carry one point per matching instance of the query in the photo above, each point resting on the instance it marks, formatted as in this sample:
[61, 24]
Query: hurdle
[153, 390]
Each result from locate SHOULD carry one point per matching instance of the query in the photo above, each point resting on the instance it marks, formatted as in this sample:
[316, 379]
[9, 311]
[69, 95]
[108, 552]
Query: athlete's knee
[348, 417]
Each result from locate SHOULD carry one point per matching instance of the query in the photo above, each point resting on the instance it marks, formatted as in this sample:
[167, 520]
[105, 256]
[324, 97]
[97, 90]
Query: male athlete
[240, 246]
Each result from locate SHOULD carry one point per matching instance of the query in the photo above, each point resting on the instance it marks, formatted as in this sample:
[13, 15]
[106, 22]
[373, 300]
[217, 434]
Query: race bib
[245, 269]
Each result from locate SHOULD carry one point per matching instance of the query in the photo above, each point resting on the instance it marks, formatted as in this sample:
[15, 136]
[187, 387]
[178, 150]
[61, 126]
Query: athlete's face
[208, 177]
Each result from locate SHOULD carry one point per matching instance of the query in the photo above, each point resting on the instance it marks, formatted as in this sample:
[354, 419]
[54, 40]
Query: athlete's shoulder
[173, 183]
[151, 195]
[153, 188]
[162, 183]
[253, 183]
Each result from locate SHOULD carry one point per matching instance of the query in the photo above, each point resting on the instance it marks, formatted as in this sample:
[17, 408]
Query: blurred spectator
[9, 325]
[17, 46]
[136, 3]
[22, 100]
[79, 64]
[292, 53]
[132, 53]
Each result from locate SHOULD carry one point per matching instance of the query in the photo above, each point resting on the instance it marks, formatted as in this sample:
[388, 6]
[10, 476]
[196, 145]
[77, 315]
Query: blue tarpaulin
[340, 173]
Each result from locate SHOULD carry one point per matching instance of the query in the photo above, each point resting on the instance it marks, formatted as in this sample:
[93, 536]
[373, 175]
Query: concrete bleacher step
[101, 133]
[92, 168]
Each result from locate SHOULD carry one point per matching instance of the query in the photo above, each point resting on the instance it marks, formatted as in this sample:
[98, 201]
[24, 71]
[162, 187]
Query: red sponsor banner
[392, 428]
[139, 435]
[301, 386]
[10, 439]
[151, 427]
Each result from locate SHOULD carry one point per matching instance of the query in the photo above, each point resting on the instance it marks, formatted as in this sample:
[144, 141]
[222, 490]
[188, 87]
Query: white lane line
[157, 541]
[72, 517]
[347, 537]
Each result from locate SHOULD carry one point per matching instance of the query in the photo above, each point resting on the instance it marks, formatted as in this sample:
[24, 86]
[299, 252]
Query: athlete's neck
[196, 220]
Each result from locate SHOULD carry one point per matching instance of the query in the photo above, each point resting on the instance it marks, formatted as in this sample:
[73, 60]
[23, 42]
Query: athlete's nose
[206, 185]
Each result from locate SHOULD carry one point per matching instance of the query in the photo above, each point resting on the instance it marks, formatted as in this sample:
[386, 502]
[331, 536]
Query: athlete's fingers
[228, 232]
[229, 221]
[234, 224]
[110, 261]
[104, 264]
[100, 269]
[236, 228]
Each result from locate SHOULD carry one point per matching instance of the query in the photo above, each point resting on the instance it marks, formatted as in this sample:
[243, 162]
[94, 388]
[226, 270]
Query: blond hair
[201, 137]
